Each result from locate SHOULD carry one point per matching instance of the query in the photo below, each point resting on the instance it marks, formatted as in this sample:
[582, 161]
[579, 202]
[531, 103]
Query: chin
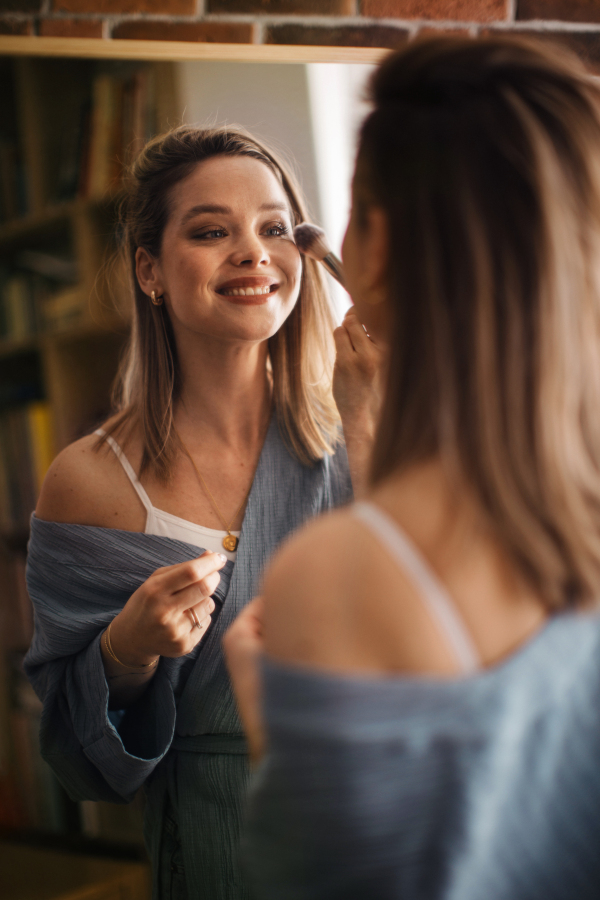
[259, 321]
[252, 332]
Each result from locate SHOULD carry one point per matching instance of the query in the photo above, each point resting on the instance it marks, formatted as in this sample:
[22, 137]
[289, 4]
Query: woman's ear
[147, 272]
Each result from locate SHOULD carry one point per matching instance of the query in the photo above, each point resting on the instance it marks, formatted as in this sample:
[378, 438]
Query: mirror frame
[103, 48]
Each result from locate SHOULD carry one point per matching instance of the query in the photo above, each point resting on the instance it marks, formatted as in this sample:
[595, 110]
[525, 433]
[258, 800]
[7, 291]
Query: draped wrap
[183, 738]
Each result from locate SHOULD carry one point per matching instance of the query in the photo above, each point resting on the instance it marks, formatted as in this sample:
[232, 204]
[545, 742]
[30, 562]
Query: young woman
[151, 535]
[432, 678]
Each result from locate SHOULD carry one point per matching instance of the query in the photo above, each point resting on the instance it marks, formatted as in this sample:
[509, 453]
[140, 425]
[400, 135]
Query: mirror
[68, 126]
[71, 114]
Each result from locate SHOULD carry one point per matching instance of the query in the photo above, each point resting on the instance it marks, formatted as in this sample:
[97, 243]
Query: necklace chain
[230, 541]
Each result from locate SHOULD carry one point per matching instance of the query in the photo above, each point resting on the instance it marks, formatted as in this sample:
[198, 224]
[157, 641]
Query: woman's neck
[444, 519]
[225, 392]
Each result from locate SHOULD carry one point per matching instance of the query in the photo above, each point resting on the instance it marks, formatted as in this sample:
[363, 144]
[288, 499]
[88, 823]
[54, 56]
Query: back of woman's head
[485, 156]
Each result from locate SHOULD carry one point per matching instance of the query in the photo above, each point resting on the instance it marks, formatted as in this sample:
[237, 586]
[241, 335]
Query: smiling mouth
[248, 291]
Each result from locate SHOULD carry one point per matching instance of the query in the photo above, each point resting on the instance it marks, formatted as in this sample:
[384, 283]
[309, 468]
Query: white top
[437, 599]
[160, 522]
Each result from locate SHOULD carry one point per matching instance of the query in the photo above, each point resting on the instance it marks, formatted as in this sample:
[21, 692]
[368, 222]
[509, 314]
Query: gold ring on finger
[194, 618]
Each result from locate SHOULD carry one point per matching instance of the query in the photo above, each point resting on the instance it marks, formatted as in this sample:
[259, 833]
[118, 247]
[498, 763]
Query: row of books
[42, 802]
[38, 294]
[122, 119]
[31, 798]
[26, 451]
[21, 299]
[114, 122]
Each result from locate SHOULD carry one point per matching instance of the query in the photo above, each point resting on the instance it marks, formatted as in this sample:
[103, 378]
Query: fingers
[356, 333]
[200, 614]
[195, 593]
[175, 580]
[356, 354]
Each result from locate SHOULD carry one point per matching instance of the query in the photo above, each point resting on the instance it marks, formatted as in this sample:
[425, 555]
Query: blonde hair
[301, 353]
[485, 156]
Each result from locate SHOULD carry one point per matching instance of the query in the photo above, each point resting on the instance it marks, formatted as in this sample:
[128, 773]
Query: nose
[250, 251]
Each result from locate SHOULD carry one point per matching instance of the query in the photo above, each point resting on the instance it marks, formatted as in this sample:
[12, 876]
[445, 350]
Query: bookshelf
[67, 128]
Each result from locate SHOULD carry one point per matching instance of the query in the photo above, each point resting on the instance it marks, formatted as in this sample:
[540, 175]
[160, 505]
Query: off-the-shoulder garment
[482, 787]
[183, 739]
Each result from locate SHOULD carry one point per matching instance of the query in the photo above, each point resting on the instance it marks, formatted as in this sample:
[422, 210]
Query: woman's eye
[277, 230]
[213, 233]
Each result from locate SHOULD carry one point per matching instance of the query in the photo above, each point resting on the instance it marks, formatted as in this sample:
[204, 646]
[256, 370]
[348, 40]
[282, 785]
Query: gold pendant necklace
[230, 542]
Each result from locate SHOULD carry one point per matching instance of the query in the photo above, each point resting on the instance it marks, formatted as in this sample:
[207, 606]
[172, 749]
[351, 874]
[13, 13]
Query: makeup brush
[310, 240]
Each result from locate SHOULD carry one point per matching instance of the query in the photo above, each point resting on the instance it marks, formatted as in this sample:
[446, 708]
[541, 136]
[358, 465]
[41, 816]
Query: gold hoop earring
[156, 300]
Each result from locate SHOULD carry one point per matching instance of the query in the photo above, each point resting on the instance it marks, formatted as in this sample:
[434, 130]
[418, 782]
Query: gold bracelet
[112, 654]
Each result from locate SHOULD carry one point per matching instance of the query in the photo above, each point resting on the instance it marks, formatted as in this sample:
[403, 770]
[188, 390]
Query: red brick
[164, 7]
[464, 10]
[281, 7]
[9, 26]
[86, 28]
[337, 36]
[209, 32]
[8, 6]
[561, 10]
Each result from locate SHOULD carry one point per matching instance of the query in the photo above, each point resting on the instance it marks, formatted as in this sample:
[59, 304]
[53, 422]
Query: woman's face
[228, 266]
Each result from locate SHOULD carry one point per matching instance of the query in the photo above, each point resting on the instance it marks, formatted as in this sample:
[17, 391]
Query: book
[26, 451]
[121, 119]
[42, 796]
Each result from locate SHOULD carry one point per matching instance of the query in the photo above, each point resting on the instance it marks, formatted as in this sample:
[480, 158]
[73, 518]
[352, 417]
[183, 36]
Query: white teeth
[245, 292]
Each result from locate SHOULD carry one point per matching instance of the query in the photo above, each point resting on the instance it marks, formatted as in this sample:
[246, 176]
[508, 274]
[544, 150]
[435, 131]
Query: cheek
[290, 262]
[349, 261]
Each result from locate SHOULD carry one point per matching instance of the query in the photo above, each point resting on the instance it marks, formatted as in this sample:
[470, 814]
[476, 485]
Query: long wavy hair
[300, 354]
[485, 156]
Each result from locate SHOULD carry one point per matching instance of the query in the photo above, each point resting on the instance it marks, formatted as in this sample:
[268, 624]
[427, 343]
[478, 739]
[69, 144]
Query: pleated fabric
[483, 787]
[183, 739]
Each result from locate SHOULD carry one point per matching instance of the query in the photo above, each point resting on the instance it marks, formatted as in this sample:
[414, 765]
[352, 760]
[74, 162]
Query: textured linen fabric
[484, 787]
[183, 738]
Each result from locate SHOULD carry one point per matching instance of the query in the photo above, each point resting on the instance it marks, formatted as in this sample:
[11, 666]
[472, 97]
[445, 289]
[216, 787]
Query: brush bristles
[310, 240]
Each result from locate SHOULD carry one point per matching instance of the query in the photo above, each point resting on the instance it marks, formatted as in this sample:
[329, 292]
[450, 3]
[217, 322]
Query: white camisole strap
[435, 595]
[129, 471]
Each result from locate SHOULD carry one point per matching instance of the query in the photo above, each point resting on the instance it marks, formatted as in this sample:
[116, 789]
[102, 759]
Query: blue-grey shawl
[422, 788]
[183, 738]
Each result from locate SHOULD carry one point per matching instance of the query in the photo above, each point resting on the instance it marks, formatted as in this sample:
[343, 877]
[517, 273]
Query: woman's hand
[358, 392]
[159, 619]
[243, 646]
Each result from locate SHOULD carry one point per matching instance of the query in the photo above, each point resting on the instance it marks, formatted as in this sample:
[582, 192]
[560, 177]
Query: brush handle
[334, 267]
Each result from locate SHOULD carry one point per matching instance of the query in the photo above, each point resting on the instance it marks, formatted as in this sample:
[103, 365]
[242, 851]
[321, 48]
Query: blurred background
[67, 128]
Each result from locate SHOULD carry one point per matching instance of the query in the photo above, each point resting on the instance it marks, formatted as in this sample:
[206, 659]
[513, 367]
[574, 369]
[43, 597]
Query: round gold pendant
[230, 542]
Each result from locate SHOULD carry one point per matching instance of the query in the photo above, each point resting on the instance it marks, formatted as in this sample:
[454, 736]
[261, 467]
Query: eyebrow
[218, 210]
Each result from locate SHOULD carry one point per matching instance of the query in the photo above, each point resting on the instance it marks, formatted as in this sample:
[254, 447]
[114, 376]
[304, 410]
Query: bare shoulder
[335, 599]
[86, 485]
[313, 551]
[309, 586]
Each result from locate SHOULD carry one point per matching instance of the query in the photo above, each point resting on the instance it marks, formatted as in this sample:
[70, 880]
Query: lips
[248, 287]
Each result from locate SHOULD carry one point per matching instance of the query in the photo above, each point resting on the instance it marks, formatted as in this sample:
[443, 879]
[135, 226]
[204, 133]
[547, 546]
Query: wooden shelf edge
[101, 48]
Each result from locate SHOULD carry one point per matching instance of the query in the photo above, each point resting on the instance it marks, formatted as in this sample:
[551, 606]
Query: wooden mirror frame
[103, 48]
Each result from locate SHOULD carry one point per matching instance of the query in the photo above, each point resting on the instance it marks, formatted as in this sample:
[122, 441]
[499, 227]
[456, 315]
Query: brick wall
[362, 23]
